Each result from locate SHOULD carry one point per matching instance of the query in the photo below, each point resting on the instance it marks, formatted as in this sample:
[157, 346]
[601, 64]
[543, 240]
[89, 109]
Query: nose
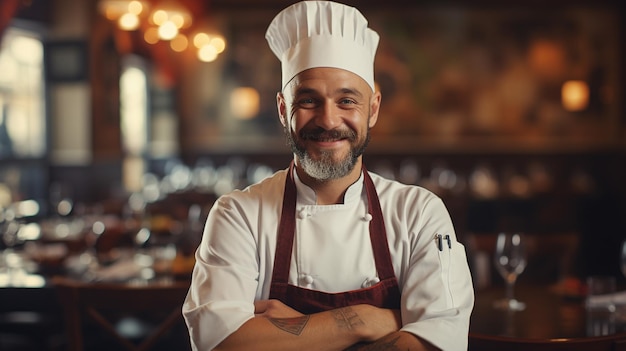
[328, 116]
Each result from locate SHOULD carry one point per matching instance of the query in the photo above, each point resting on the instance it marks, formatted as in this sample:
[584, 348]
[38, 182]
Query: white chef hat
[312, 34]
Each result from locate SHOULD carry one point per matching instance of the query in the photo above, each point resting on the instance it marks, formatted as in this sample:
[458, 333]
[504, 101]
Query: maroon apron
[384, 294]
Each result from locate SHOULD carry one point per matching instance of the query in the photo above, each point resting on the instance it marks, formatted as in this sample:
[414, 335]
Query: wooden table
[549, 318]
[31, 316]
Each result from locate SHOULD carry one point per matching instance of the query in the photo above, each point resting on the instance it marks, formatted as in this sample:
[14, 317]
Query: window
[23, 130]
[134, 110]
[22, 103]
[134, 121]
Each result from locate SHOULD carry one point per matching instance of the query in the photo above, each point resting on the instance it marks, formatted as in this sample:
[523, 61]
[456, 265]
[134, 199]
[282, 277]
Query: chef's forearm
[395, 342]
[330, 330]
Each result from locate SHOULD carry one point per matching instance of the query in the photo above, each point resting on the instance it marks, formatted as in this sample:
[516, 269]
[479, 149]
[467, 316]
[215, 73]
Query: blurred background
[513, 112]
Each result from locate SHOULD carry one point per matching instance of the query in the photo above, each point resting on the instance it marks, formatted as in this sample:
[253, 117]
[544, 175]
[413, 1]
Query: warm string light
[126, 13]
[166, 22]
[170, 18]
[209, 46]
[130, 20]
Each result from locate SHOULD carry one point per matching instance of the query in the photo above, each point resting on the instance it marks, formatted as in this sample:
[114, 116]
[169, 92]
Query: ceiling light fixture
[167, 21]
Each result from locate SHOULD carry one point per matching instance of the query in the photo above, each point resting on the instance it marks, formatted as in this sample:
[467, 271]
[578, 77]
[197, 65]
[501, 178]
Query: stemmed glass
[510, 261]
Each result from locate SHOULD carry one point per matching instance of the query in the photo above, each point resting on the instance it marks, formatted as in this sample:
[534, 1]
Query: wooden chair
[615, 342]
[103, 305]
[30, 319]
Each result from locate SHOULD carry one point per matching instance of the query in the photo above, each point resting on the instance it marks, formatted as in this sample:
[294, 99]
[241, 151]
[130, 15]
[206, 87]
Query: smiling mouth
[321, 135]
[327, 140]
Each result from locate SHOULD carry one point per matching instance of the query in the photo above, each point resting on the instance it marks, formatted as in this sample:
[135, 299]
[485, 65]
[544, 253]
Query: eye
[347, 101]
[307, 102]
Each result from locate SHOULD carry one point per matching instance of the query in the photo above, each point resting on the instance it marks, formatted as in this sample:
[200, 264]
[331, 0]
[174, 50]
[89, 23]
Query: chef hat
[312, 34]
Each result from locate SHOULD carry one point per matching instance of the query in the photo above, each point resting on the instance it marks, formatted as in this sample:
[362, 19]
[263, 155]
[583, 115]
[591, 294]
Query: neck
[330, 192]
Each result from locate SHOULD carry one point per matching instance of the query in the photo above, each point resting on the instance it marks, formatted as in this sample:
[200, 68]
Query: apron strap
[284, 243]
[378, 233]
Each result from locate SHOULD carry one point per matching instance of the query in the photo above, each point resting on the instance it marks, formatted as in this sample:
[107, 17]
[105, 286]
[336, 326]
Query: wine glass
[510, 261]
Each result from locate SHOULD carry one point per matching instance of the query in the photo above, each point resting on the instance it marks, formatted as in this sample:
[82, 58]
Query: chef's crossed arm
[361, 327]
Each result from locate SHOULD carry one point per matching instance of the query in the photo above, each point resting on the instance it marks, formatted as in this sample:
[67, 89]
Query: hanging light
[209, 45]
[113, 9]
[207, 53]
[125, 12]
[128, 21]
[218, 43]
[151, 35]
[170, 17]
[169, 21]
[201, 39]
[168, 30]
[179, 43]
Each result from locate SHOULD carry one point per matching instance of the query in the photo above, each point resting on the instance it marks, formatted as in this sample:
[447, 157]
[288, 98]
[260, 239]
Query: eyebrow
[350, 91]
[343, 91]
[304, 90]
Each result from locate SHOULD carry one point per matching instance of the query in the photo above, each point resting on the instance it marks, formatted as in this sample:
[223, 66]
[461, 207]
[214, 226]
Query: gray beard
[325, 168]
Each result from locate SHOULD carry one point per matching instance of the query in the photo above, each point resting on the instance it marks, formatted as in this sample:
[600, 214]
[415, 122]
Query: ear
[374, 108]
[282, 108]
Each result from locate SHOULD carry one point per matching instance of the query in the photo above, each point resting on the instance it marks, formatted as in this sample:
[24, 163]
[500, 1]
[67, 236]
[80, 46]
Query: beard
[326, 167]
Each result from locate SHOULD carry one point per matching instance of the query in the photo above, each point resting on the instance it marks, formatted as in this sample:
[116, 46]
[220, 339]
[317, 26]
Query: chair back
[102, 306]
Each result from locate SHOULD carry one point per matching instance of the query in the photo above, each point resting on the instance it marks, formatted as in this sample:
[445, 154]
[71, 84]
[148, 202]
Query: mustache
[321, 134]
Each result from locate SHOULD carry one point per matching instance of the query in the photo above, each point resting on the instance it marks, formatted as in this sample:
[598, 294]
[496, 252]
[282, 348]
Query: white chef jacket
[332, 253]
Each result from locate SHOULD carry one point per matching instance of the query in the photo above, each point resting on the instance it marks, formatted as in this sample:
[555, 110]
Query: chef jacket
[332, 253]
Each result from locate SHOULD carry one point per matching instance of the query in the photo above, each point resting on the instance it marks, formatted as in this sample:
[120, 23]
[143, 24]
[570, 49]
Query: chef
[325, 255]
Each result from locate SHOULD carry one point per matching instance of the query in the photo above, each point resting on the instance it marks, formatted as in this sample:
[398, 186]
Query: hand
[274, 309]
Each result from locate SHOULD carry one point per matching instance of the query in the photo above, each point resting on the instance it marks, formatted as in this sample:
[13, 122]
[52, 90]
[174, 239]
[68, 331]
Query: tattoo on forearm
[346, 318]
[293, 326]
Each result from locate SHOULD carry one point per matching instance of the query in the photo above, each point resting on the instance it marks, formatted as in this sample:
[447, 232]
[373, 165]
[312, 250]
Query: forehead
[327, 79]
